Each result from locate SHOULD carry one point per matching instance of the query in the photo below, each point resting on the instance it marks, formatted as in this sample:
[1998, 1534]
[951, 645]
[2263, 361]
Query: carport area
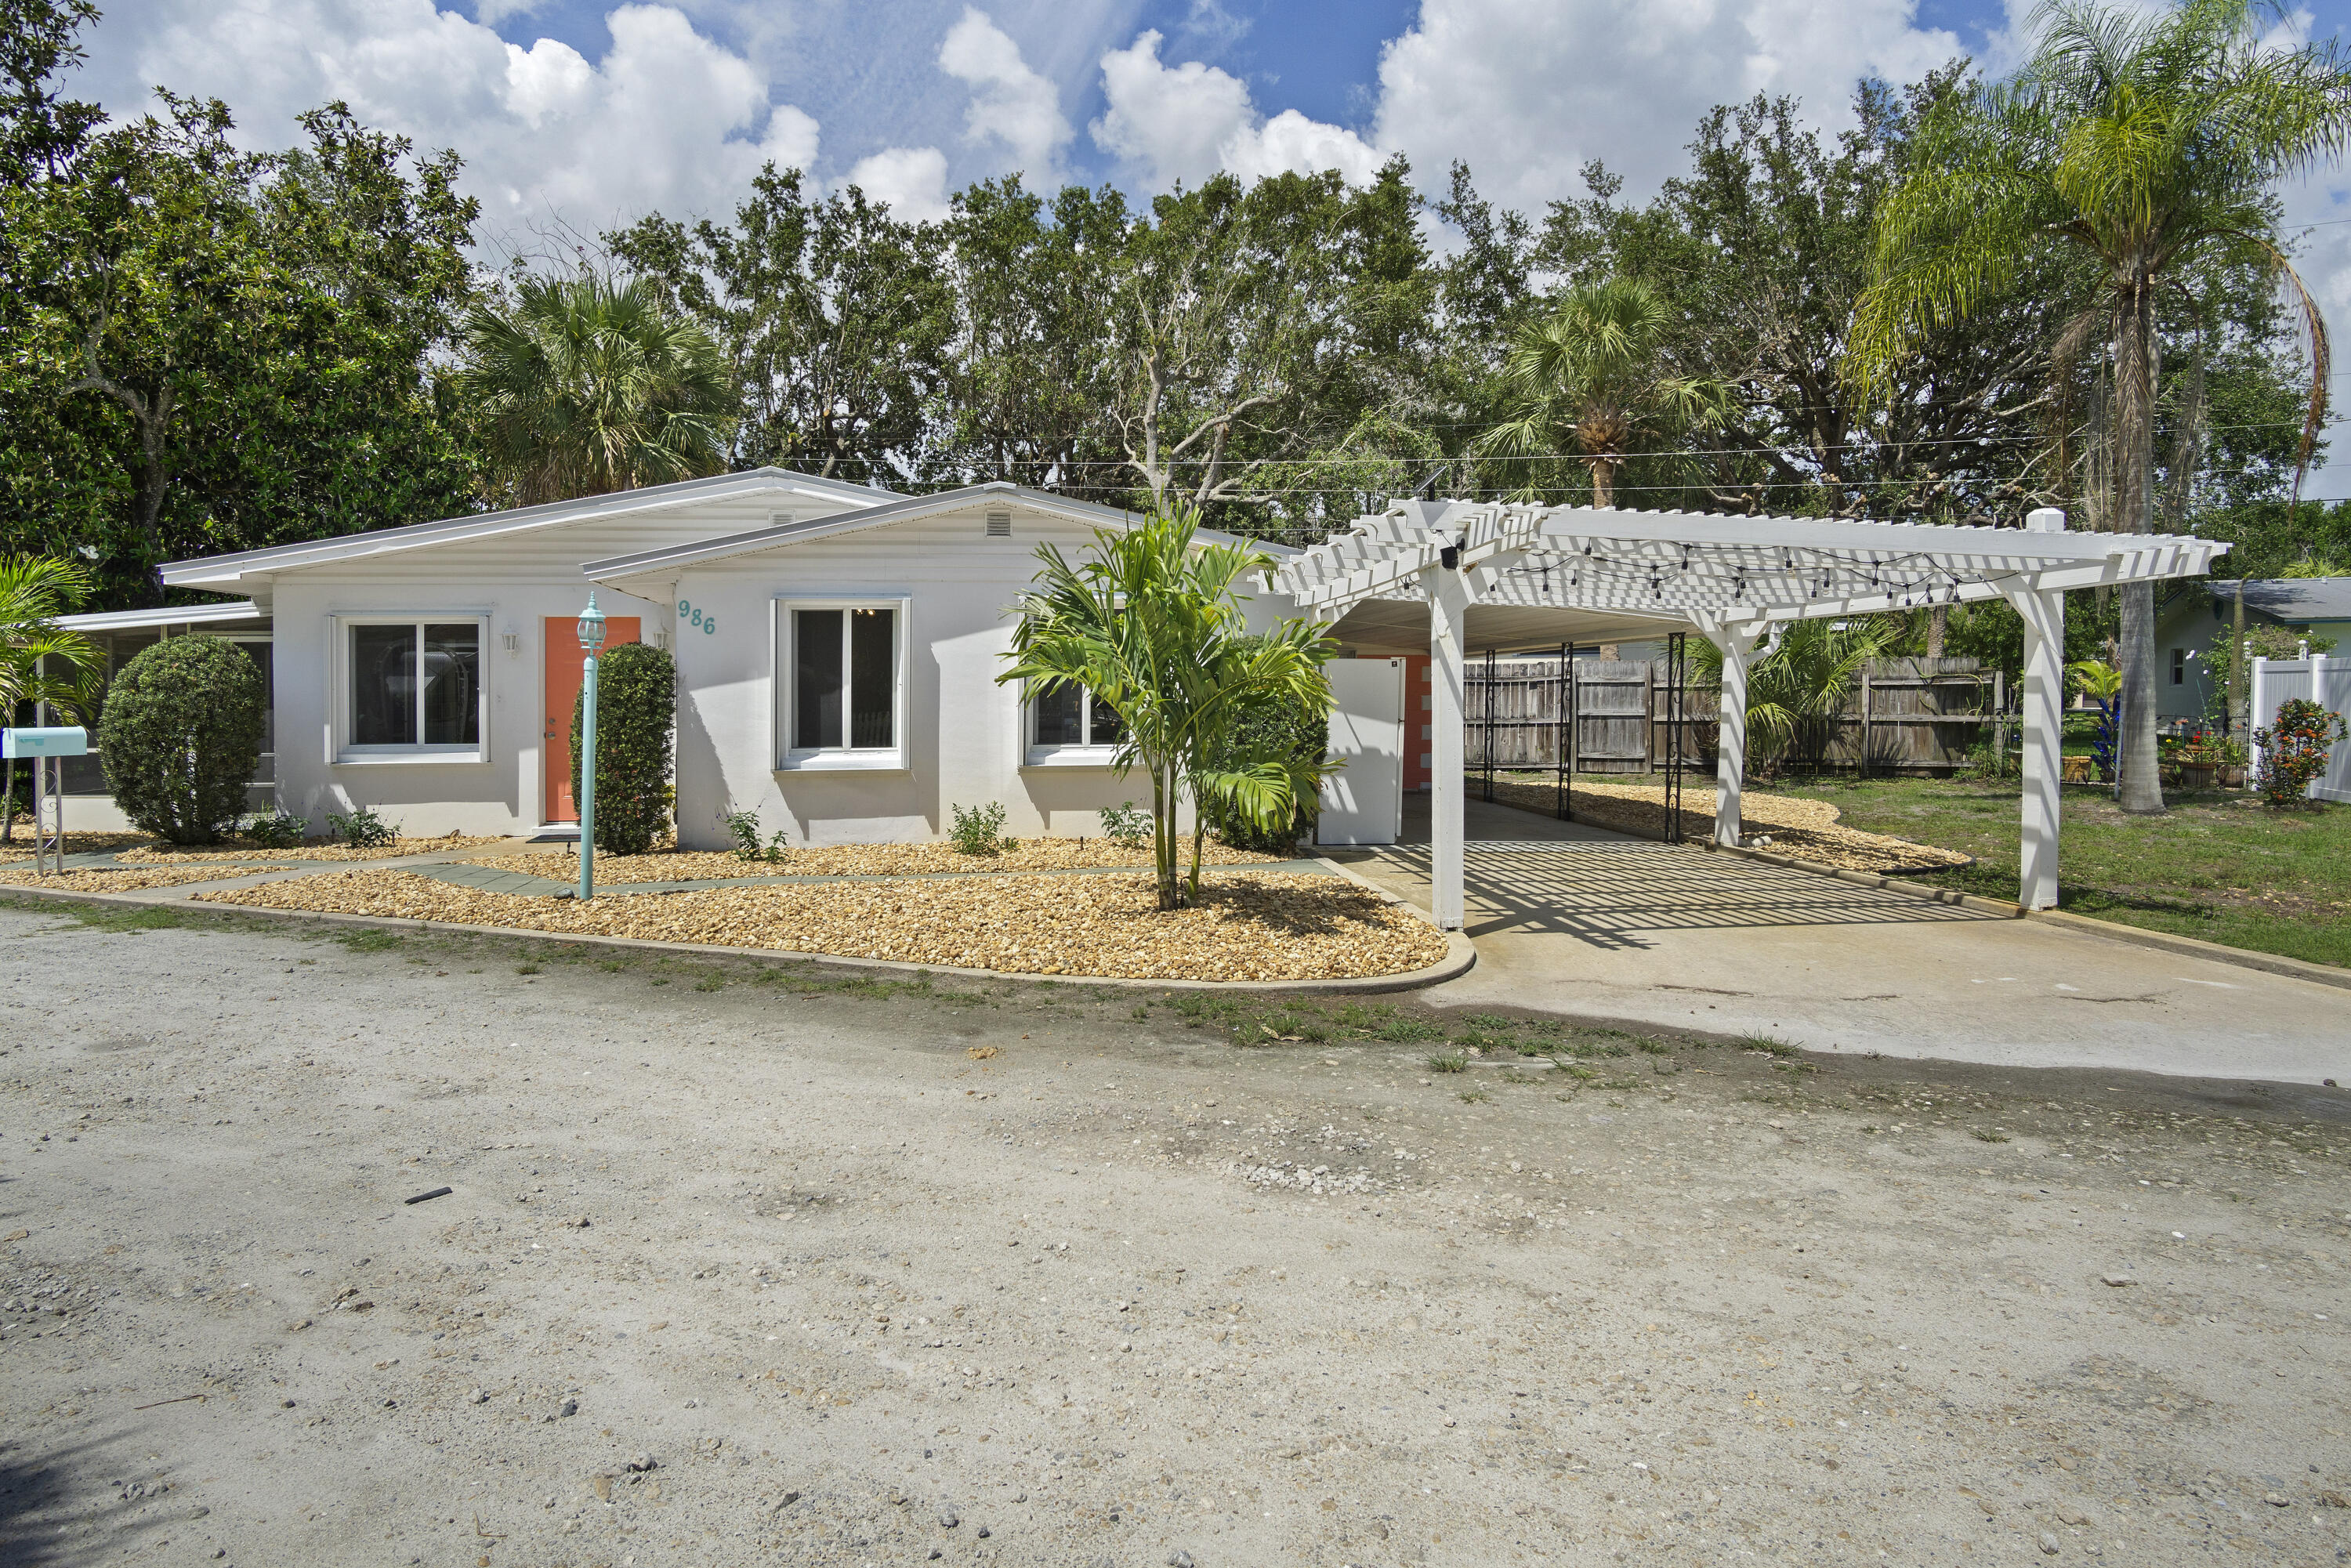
[1575, 920]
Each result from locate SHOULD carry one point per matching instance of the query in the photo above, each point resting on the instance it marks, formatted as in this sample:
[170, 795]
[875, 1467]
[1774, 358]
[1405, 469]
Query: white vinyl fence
[2327, 683]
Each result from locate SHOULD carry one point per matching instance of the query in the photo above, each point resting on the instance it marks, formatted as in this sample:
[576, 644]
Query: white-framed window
[1070, 727]
[411, 688]
[840, 682]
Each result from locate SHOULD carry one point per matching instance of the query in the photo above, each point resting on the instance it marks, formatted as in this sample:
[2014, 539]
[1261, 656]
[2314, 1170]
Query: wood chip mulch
[152, 852]
[1800, 828]
[130, 879]
[562, 864]
[1262, 927]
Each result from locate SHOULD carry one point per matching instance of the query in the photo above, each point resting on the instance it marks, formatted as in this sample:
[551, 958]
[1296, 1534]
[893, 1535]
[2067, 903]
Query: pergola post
[2044, 613]
[1737, 642]
[1448, 617]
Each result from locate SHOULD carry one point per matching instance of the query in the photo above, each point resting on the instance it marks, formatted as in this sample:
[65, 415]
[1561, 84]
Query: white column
[1448, 618]
[1737, 643]
[2044, 734]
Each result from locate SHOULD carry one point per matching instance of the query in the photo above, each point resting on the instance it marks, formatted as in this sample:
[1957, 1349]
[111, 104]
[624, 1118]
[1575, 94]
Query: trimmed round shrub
[636, 710]
[180, 738]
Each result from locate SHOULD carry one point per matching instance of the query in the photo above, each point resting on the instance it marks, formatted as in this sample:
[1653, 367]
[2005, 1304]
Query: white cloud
[1170, 123]
[1526, 91]
[913, 180]
[1011, 103]
[667, 118]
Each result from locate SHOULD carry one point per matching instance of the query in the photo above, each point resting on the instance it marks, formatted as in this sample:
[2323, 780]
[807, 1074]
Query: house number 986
[688, 616]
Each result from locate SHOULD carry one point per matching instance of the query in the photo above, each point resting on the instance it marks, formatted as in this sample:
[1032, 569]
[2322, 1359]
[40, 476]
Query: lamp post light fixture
[591, 642]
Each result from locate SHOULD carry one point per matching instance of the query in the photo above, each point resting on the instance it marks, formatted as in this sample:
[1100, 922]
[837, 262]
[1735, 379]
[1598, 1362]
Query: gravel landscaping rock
[1799, 829]
[130, 879]
[1255, 926]
[562, 864]
[148, 851]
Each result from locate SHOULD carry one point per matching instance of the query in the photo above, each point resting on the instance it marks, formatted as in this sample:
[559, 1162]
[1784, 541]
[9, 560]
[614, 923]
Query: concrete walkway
[1573, 920]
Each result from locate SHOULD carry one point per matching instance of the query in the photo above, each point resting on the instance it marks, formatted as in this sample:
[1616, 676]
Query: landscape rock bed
[1261, 926]
[151, 851]
[1799, 829]
[562, 864]
[127, 879]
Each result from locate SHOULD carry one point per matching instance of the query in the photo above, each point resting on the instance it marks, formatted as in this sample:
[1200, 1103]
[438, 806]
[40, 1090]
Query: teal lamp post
[591, 641]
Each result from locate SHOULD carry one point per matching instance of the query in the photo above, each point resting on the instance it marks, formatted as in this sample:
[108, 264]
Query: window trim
[1036, 754]
[342, 752]
[784, 684]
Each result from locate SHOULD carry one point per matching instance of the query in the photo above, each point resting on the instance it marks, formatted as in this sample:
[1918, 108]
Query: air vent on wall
[1000, 525]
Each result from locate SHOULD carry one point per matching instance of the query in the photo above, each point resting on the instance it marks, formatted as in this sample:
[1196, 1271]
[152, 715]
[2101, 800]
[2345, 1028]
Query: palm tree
[1600, 371]
[2149, 140]
[1152, 626]
[34, 591]
[1798, 688]
[588, 385]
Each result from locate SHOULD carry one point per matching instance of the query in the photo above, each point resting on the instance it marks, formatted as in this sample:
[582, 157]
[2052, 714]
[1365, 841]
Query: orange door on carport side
[563, 674]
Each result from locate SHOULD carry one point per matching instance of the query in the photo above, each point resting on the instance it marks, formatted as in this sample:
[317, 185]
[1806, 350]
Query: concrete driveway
[1572, 919]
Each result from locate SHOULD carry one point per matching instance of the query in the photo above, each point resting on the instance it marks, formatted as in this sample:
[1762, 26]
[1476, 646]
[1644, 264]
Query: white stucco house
[837, 650]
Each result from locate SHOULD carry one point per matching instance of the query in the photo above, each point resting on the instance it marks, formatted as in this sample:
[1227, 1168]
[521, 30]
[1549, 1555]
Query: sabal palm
[1600, 371]
[1152, 625]
[588, 385]
[41, 661]
[2150, 141]
[1801, 685]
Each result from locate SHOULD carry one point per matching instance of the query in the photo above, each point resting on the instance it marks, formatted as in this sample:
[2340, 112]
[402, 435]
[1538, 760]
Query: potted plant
[2230, 774]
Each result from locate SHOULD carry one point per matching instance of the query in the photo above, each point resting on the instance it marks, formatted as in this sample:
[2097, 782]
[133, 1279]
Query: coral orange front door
[563, 674]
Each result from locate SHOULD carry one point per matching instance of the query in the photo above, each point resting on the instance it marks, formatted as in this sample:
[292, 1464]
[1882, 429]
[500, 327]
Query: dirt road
[739, 1268]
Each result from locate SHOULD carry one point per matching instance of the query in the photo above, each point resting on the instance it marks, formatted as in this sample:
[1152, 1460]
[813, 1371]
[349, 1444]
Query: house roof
[2294, 600]
[226, 570]
[169, 615]
[904, 508]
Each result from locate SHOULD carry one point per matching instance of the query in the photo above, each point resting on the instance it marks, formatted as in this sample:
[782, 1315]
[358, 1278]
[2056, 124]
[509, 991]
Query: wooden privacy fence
[1903, 716]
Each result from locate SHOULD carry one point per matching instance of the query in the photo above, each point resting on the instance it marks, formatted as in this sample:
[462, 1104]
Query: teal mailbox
[59, 740]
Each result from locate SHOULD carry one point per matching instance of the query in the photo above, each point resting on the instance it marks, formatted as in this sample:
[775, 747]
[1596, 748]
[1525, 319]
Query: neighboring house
[2201, 614]
[837, 650]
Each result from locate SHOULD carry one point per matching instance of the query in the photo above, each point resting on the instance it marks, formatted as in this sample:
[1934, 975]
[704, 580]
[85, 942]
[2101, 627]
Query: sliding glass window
[414, 685]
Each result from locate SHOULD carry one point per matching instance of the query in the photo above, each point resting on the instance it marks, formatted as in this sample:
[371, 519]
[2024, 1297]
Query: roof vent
[1000, 525]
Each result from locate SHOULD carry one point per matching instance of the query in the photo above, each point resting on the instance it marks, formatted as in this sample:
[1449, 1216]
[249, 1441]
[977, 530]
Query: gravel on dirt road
[742, 1265]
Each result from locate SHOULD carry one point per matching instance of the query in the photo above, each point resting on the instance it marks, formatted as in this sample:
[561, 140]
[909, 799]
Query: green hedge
[180, 738]
[636, 709]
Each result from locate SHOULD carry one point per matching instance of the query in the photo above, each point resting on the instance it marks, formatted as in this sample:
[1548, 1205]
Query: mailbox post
[47, 748]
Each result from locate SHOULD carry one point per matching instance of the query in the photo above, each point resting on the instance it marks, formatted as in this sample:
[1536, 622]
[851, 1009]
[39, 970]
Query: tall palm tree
[2151, 140]
[588, 385]
[1151, 625]
[41, 661]
[1600, 371]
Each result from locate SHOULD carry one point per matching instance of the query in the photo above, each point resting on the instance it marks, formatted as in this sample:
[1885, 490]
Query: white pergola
[1496, 576]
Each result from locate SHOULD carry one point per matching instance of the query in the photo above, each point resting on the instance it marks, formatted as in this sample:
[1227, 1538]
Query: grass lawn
[2213, 867]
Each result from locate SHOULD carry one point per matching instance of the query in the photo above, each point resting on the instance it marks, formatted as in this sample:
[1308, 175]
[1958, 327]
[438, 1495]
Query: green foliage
[2294, 751]
[1126, 825]
[589, 384]
[276, 830]
[361, 828]
[180, 737]
[1288, 730]
[636, 713]
[979, 830]
[1152, 625]
[1448, 1062]
[1797, 688]
[743, 827]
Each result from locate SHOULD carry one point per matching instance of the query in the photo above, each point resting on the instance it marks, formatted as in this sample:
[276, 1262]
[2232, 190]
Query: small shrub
[636, 710]
[180, 738]
[979, 830]
[2294, 751]
[1448, 1062]
[276, 830]
[1767, 1046]
[1127, 825]
[743, 827]
[363, 829]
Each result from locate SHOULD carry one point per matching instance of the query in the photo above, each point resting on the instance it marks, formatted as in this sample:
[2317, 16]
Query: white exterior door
[1364, 804]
